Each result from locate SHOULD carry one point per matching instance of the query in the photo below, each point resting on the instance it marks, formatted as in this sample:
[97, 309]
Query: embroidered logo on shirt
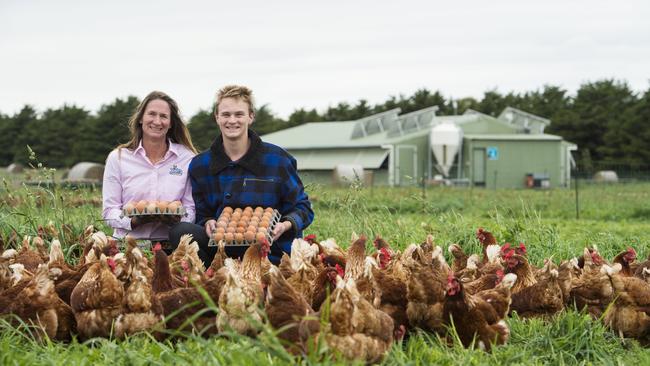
[174, 170]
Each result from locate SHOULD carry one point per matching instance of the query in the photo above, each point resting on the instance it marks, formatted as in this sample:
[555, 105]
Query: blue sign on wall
[492, 153]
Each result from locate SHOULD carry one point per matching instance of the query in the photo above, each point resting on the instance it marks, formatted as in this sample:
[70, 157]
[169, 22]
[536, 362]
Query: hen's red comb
[510, 253]
[111, 263]
[505, 247]
[310, 238]
[522, 247]
[450, 276]
[339, 270]
[157, 247]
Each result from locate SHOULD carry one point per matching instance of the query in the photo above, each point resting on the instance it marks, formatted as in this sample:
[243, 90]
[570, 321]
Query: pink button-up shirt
[130, 176]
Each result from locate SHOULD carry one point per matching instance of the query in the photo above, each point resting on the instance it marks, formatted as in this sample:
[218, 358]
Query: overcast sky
[309, 54]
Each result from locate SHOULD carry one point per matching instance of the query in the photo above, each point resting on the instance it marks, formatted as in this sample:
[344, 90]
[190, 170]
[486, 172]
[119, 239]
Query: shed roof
[329, 159]
[515, 137]
[388, 128]
[314, 135]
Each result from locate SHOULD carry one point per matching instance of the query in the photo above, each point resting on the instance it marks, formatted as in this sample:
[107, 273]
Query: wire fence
[612, 172]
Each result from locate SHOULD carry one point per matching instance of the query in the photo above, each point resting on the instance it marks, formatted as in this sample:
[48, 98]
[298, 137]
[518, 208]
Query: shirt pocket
[257, 191]
[259, 183]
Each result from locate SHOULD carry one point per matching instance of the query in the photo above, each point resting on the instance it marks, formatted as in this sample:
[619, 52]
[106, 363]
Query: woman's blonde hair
[178, 132]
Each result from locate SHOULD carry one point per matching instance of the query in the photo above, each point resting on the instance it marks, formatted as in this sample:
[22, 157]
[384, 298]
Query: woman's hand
[280, 229]
[170, 220]
[137, 221]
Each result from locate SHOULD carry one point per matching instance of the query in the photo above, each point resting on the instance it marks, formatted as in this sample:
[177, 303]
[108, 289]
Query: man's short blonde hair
[236, 92]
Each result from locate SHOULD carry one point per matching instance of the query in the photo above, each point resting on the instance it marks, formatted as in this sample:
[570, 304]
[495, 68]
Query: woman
[153, 165]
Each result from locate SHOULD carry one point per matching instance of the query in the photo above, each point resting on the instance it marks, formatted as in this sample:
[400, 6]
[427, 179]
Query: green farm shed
[509, 151]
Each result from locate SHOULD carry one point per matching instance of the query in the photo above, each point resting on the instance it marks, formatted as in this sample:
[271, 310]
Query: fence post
[577, 200]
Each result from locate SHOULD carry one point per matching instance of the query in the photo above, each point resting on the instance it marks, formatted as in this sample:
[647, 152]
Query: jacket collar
[251, 161]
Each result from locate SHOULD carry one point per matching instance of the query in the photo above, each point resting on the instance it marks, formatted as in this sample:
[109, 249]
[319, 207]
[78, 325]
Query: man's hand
[280, 229]
[210, 227]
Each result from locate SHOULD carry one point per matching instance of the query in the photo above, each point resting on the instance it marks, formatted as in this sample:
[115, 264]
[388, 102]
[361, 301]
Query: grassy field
[612, 217]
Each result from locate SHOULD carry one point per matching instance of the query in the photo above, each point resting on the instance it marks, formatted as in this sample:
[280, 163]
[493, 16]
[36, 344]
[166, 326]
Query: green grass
[612, 217]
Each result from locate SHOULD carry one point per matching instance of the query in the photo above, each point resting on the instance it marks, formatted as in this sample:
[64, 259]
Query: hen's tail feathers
[509, 280]
[610, 270]
[493, 253]
[503, 332]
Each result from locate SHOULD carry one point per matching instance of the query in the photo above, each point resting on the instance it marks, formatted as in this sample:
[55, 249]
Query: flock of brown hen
[357, 303]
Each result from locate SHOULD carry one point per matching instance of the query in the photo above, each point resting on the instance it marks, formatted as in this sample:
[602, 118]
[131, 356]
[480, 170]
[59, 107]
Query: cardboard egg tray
[135, 213]
[275, 219]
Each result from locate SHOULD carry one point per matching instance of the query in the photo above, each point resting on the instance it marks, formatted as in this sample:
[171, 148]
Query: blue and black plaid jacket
[266, 176]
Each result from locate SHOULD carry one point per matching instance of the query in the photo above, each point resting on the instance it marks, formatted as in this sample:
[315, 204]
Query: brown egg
[173, 207]
[227, 209]
[259, 209]
[140, 206]
[264, 224]
[128, 208]
[232, 224]
[267, 215]
[218, 237]
[251, 228]
[249, 236]
[238, 210]
[162, 206]
[151, 207]
[259, 237]
[240, 229]
[220, 230]
[222, 223]
[229, 237]
[225, 215]
[231, 230]
[248, 209]
[269, 210]
[239, 238]
[262, 229]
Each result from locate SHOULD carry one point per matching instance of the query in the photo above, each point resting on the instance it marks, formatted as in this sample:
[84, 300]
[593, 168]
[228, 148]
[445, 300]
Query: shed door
[478, 167]
[406, 167]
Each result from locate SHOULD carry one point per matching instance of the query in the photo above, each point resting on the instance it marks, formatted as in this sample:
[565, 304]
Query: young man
[241, 170]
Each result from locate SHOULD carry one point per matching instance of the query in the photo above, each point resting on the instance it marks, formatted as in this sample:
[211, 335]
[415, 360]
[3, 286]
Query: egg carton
[179, 212]
[275, 219]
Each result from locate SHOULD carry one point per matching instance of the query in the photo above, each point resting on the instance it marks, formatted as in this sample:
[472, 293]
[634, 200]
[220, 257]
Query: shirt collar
[252, 160]
[139, 149]
[173, 148]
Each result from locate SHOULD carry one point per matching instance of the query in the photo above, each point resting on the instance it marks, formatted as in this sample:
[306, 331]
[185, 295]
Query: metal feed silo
[445, 140]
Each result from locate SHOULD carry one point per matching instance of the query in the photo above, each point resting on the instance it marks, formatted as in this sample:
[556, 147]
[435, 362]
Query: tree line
[608, 121]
